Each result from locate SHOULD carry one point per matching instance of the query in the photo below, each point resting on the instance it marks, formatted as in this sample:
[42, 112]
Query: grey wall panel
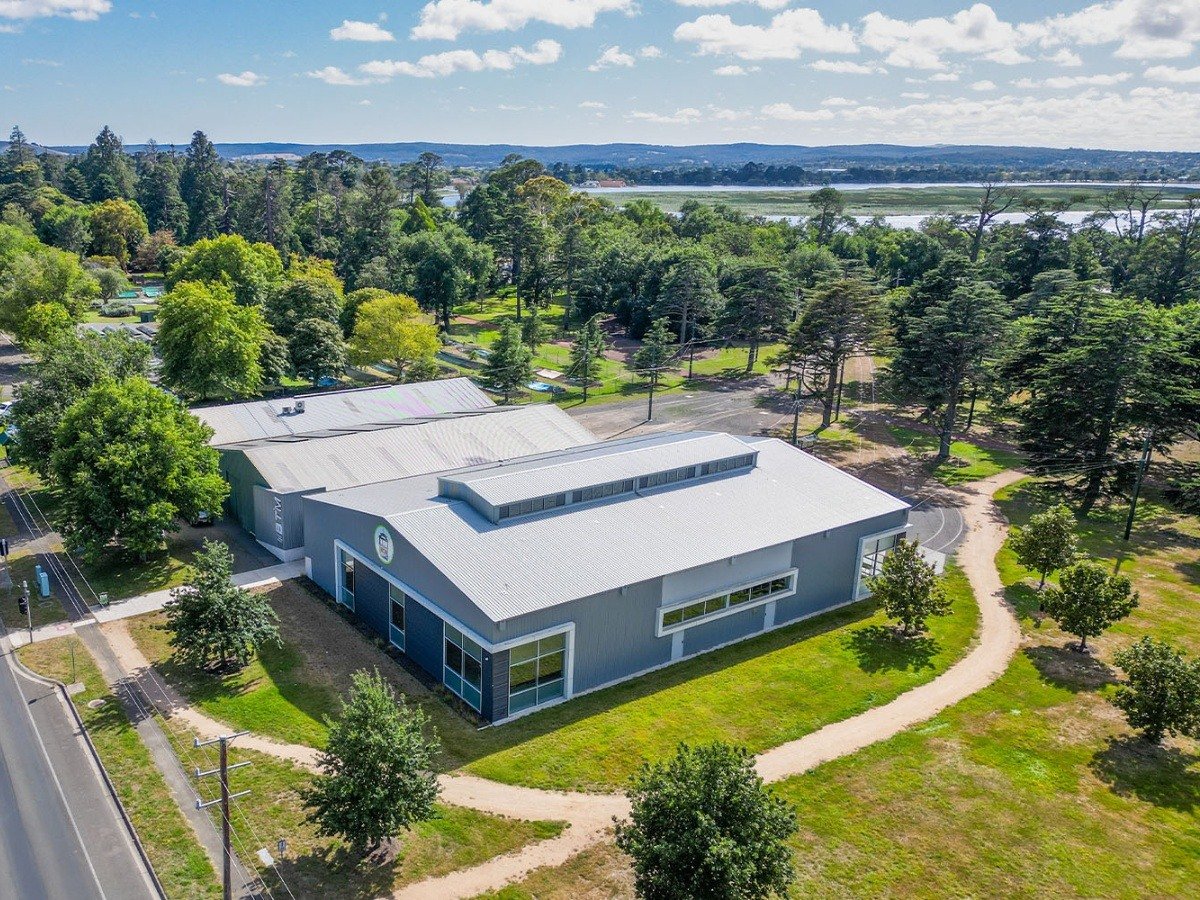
[735, 627]
[712, 578]
[279, 518]
[371, 600]
[487, 700]
[499, 683]
[423, 639]
[243, 478]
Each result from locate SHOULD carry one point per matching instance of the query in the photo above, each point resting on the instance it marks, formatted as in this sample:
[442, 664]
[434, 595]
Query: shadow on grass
[1163, 776]
[882, 648]
[1023, 599]
[1067, 668]
[336, 872]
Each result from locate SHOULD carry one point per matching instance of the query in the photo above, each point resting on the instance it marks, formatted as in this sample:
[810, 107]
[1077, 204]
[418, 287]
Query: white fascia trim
[660, 631]
[862, 542]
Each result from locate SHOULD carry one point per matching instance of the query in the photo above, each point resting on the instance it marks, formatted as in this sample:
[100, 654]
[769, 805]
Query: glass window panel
[739, 596]
[551, 667]
[674, 617]
[523, 700]
[453, 635]
[780, 584]
[550, 691]
[696, 609]
[716, 604]
[472, 695]
[760, 590]
[522, 653]
[554, 642]
[398, 615]
[472, 649]
[472, 671]
[453, 681]
[454, 657]
[522, 676]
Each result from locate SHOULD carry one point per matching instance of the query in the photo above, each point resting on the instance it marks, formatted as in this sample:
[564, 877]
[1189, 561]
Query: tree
[908, 588]
[510, 363]
[838, 320]
[1162, 693]
[274, 359]
[392, 329]
[250, 270]
[1088, 600]
[108, 171]
[995, 200]
[689, 293]
[211, 618]
[201, 187]
[656, 351]
[829, 205]
[703, 824]
[210, 346]
[758, 303]
[587, 352]
[65, 368]
[943, 350]
[129, 461]
[317, 350]
[32, 273]
[297, 299]
[46, 323]
[377, 769]
[1047, 542]
[118, 227]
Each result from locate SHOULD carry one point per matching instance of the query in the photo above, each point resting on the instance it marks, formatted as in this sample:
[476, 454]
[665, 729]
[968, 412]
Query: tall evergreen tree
[510, 363]
[587, 352]
[202, 187]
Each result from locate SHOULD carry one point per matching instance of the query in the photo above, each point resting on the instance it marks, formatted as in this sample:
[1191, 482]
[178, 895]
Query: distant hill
[661, 156]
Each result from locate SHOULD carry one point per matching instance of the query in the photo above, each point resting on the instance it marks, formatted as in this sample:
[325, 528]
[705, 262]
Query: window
[346, 588]
[537, 672]
[684, 616]
[463, 667]
[397, 602]
[874, 552]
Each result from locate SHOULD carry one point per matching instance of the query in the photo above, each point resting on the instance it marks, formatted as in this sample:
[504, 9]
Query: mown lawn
[315, 866]
[800, 678]
[968, 462]
[171, 844]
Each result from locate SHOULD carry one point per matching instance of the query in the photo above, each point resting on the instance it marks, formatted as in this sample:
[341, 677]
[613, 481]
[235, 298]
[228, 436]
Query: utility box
[43, 583]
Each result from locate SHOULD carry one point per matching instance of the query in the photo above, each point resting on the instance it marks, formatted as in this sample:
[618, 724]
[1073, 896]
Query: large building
[274, 452]
[523, 582]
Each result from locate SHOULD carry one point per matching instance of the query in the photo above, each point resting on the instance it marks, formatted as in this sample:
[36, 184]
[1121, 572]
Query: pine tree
[587, 352]
[510, 364]
[210, 618]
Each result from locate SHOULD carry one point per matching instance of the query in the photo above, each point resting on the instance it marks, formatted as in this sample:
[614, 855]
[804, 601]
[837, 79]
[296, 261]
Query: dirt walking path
[589, 816]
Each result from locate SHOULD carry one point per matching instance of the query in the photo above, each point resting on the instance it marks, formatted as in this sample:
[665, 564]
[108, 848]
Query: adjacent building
[520, 582]
[275, 452]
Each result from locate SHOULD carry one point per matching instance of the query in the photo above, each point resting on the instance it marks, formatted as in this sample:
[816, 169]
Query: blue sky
[1120, 73]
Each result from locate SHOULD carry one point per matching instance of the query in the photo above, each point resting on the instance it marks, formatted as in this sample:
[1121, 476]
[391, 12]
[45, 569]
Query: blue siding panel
[371, 600]
[423, 639]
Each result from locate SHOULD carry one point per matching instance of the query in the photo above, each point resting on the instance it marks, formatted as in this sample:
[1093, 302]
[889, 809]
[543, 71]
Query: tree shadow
[336, 872]
[882, 648]
[1067, 668]
[1024, 599]
[1164, 776]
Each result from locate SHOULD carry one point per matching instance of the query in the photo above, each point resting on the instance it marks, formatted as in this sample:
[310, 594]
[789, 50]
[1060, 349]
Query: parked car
[203, 519]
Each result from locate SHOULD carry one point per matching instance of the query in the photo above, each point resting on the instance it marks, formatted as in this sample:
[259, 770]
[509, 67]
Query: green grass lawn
[315, 866]
[171, 844]
[968, 462]
[801, 678]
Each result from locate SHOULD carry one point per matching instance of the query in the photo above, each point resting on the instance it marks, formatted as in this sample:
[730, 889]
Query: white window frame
[340, 565]
[568, 666]
[482, 651]
[860, 591]
[662, 631]
[391, 624]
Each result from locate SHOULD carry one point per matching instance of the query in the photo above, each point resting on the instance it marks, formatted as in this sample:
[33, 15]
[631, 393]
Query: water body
[858, 186]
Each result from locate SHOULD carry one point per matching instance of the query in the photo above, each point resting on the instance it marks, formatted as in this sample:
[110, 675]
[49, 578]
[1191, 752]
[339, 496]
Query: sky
[1120, 74]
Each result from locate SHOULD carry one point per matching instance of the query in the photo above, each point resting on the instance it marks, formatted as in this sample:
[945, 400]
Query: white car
[5, 408]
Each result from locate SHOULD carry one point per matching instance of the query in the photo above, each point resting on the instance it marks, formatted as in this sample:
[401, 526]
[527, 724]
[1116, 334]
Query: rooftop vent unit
[299, 406]
[286, 411]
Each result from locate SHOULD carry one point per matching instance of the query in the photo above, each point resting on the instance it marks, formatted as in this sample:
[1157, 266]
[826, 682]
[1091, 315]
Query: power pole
[691, 357]
[587, 349]
[650, 402]
[796, 406]
[1137, 485]
[837, 414]
[222, 771]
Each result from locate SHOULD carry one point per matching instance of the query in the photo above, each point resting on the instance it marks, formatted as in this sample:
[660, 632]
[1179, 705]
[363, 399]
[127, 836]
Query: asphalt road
[61, 835]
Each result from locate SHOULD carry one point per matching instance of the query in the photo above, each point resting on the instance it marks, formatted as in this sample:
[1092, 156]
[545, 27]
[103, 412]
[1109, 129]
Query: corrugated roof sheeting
[409, 449]
[609, 462]
[540, 561]
[237, 422]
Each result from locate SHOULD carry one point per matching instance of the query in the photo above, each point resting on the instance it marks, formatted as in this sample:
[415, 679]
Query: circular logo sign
[384, 548]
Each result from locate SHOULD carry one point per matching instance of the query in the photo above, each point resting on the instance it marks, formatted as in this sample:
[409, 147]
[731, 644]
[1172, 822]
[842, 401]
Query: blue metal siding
[371, 600]
[487, 701]
[734, 627]
[423, 639]
[499, 686]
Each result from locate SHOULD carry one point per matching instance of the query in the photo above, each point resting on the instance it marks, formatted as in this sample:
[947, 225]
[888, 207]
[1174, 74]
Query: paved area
[61, 833]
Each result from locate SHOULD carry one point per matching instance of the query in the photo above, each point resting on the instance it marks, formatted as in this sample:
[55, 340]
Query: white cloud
[765, 4]
[1066, 82]
[447, 19]
[51, 63]
[1068, 59]
[687, 116]
[650, 52]
[915, 95]
[944, 76]
[1142, 29]
[593, 104]
[838, 101]
[334, 75]
[1173, 75]
[787, 113]
[241, 79]
[847, 67]
[438, 65]
[368, 32]
[922, 43]
[734, 71]
[788, 34]
[612, 56]
[364, 102]
[984, 85]
[80, 10]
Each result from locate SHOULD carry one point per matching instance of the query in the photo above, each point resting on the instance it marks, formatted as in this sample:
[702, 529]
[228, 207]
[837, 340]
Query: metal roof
[598, 465]
[237, 422]
[542, 560]
[346, 459]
